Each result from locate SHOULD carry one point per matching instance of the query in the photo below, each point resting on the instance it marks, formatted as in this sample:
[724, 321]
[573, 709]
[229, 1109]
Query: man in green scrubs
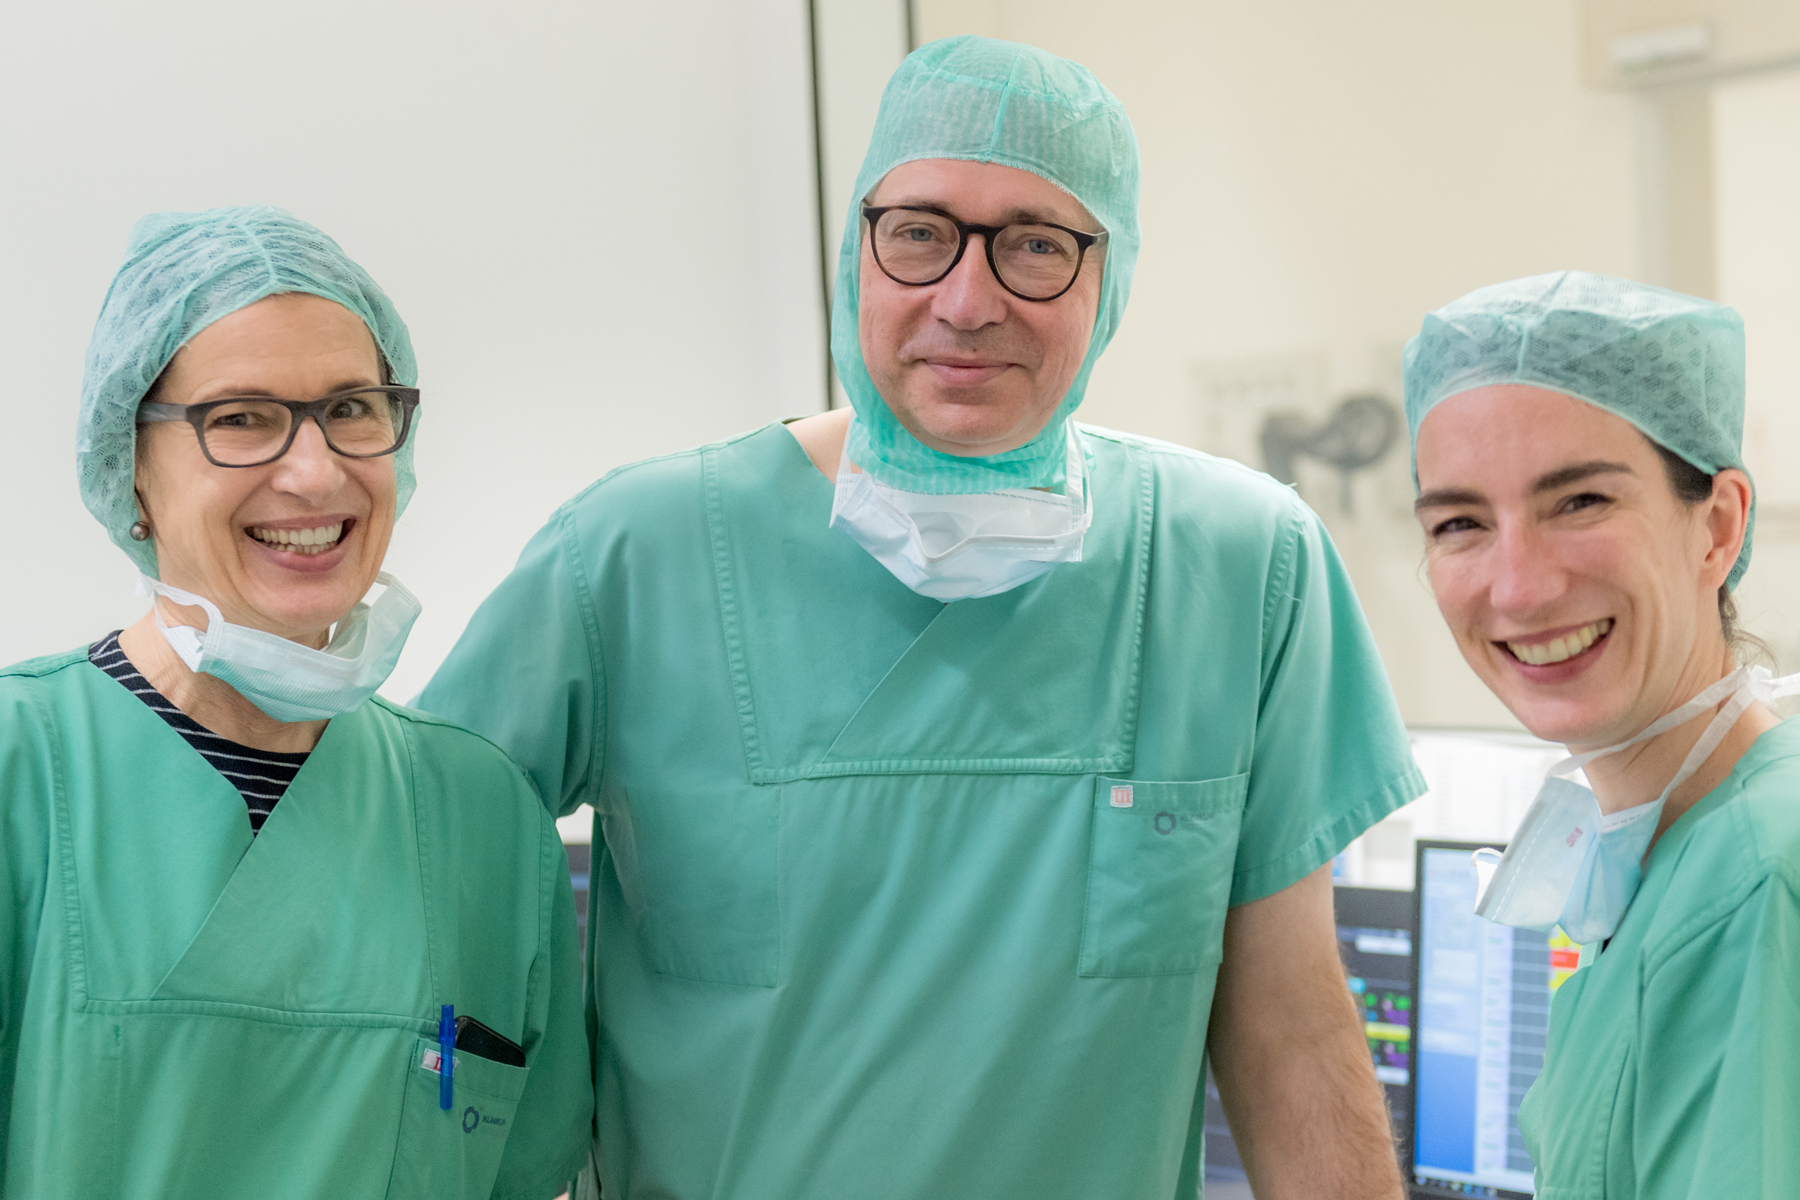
[948, 818]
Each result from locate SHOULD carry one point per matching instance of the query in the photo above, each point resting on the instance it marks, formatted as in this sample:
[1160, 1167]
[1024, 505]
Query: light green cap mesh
[1672, 365]
[978, 99]
[182, 272]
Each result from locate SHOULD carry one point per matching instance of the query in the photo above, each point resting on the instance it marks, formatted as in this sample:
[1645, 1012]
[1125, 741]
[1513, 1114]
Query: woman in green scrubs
[238, 891]
[1578, 447]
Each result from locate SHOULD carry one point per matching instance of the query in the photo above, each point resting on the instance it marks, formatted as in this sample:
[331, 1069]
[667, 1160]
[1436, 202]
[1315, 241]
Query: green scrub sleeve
[1718, 1092]
[25, 791]
[553, 1126]
[1331, 755]
[526, 672]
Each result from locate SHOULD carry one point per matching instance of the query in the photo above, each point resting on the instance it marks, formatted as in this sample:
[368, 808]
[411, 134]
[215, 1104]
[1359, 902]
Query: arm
[1290, 1057]
[525, 672]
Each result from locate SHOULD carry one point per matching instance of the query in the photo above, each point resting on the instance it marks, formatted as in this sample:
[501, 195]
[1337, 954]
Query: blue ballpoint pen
[446, 1053]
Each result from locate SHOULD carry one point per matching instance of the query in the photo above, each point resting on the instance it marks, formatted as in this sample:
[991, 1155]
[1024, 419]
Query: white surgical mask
[288, 681]
[961, 546]
[1573, 866]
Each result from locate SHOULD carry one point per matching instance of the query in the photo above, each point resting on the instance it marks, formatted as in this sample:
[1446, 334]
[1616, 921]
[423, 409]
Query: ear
[1727, 520]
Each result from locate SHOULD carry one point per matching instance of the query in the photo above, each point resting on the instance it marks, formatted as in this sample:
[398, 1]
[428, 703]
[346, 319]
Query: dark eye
[1453, 525]
[1583, 500]
[351, 408]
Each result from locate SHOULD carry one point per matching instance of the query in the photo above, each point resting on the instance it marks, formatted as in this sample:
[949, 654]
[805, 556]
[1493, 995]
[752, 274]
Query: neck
[214, 704]
[822, 437]
[1638, 775]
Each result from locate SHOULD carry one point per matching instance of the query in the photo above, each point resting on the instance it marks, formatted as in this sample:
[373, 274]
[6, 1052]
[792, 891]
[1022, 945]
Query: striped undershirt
[262, 776]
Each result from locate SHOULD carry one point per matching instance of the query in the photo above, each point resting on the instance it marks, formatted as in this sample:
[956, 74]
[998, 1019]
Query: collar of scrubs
[179, 904]
[838, 668]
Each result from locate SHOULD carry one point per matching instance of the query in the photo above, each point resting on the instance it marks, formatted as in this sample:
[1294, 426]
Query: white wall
[1756, 138]
[598, 221]
[860, 44]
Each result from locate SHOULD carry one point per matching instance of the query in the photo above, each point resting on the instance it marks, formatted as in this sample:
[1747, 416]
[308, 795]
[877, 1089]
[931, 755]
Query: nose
[310, 469]
[1524, 576]
[970, 296]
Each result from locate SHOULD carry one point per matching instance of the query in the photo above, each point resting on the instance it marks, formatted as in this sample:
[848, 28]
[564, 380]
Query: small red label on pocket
[1121, 795]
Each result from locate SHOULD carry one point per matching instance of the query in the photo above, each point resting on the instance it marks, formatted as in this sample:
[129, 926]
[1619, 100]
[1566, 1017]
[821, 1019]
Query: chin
[966, 428]
[1570, 722]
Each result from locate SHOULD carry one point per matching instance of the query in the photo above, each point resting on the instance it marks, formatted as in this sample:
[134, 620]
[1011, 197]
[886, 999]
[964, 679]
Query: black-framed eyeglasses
[919, 246]
[248, 431]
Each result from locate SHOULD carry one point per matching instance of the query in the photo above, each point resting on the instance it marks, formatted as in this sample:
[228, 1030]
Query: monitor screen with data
[1481, 1015]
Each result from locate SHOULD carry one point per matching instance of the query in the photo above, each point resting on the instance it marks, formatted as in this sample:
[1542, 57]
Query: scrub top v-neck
[188, 1010]
[900, 898]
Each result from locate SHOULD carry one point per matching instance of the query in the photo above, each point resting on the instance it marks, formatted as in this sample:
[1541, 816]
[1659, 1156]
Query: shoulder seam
[49, 664]
[1170, 449]
[689, 452]
[416, 716]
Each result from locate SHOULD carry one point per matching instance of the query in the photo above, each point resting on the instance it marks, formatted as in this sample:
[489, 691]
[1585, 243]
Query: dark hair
[1693, 486]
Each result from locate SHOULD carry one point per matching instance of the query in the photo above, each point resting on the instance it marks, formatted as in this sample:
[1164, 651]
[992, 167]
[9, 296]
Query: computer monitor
[1482, 1013]
[1374, 930]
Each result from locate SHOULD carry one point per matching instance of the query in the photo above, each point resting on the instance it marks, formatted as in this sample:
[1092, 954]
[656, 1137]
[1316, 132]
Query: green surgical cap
[182, 272]
[1670, 364]
[986, 101]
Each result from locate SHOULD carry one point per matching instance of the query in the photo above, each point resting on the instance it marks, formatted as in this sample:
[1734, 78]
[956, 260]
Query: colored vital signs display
[1377, 963]
[1375, 942]
[1482, 1013]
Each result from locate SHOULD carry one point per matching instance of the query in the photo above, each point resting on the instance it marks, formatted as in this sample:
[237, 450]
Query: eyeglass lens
[360, 424]
[1033, 260]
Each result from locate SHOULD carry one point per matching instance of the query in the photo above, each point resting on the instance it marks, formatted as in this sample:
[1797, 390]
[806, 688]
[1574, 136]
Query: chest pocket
[1159, 875]
[454, 1153]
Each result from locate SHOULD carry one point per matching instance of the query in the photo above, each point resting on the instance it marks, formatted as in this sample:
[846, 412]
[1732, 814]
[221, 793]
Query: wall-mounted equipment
[1355, 437]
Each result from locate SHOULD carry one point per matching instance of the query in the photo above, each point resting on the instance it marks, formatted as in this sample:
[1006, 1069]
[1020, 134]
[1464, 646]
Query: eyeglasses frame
[299, 410]
[1083, 242]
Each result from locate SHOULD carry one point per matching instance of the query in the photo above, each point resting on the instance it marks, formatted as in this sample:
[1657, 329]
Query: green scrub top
[1673, 1065]
[896, 898]
[186, 1010]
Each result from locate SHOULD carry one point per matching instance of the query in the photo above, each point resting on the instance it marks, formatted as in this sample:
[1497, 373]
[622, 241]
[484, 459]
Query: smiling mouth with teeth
[301, 541]
[1543, 654]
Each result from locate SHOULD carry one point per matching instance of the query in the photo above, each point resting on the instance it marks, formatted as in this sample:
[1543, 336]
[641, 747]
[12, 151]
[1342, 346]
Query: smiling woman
[1578, 452]
[269, 883]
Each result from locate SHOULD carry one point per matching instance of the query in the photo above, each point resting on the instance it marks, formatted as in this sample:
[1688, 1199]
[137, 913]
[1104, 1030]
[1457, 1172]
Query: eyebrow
[251, 392]
[1012, 216]
[1562, 477]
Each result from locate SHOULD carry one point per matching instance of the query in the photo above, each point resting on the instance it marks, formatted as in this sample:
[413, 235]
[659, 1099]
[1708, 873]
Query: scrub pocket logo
[1166, 822]
[473, 1120]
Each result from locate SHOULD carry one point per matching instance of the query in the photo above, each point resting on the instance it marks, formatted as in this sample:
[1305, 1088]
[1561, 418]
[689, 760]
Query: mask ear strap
[1715, 733]
[153, 588]
[1725, 687]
